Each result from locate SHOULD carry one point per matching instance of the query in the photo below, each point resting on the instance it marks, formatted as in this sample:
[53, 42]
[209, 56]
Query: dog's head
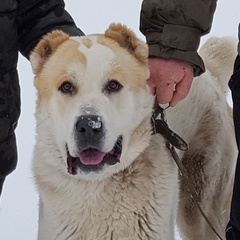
[94, 105]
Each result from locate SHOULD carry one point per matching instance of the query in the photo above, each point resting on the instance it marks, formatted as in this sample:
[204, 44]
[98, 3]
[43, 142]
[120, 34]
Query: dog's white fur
[141, 196]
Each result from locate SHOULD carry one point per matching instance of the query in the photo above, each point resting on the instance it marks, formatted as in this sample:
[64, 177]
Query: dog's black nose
[89, 125]
[90, 130]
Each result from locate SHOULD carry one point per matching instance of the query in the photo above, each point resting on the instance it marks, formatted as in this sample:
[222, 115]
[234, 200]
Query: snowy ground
[18, 207]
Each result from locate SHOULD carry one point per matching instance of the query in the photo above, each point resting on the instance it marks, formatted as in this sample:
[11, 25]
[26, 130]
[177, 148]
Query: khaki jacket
[173, 28]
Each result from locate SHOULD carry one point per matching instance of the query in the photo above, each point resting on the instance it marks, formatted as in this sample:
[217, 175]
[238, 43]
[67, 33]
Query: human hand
[170, 80]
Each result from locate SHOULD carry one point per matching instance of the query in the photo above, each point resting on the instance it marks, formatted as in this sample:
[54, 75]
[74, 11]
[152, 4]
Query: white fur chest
[129, 205]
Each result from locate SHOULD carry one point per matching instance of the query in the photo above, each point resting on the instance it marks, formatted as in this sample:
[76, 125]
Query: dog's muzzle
[89, 136]
[93, 160]
[89, 132]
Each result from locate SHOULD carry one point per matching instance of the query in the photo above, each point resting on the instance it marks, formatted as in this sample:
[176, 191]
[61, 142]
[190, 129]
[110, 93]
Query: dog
[100, 171]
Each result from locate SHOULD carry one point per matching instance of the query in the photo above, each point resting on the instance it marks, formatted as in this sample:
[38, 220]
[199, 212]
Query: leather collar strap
[160, 126]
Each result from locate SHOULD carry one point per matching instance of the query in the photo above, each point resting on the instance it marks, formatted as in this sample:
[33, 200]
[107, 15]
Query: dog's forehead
[95, 48]
[90, 61]
[101, 59]
[96, 57]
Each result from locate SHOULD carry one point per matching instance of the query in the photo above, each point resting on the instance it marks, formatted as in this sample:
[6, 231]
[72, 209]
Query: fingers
[169, 79]
[181, 90]
[164, 92]
[151, 86]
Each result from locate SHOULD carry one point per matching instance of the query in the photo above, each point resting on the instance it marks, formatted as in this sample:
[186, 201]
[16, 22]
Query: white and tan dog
[99, 171]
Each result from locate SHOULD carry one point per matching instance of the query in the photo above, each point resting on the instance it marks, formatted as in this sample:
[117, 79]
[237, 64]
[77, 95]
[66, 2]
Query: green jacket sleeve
[173, 28]
[36, 18]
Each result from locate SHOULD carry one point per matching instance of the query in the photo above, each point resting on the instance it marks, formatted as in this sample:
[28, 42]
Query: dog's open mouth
[93, 160]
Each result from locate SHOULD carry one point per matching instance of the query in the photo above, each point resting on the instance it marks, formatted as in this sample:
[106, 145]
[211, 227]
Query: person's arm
[173, 28]
[36, 18]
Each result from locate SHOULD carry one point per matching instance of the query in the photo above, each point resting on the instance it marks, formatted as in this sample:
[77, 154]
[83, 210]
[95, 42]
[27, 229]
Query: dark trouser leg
[233, 228]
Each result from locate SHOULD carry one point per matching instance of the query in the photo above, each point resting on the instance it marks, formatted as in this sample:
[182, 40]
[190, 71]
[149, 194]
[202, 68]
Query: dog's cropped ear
[126, 38]
[45, 48]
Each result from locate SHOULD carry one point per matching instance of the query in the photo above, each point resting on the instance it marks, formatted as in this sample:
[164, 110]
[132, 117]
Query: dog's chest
[129, 205]
[120, 210]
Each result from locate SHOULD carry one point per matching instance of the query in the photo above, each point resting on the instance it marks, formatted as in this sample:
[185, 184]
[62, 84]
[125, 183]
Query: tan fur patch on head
[57, 69]
[126, 38]
[87, 42]
[124, 64]
[46, 47]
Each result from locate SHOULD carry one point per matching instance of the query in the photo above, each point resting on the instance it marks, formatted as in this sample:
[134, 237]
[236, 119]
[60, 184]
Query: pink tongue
[91, 156]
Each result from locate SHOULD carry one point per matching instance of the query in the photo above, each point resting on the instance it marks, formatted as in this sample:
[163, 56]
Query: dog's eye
[66, 87]
[113, 86]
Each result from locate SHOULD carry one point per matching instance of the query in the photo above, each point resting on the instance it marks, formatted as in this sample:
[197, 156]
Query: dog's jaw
[92, 160]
